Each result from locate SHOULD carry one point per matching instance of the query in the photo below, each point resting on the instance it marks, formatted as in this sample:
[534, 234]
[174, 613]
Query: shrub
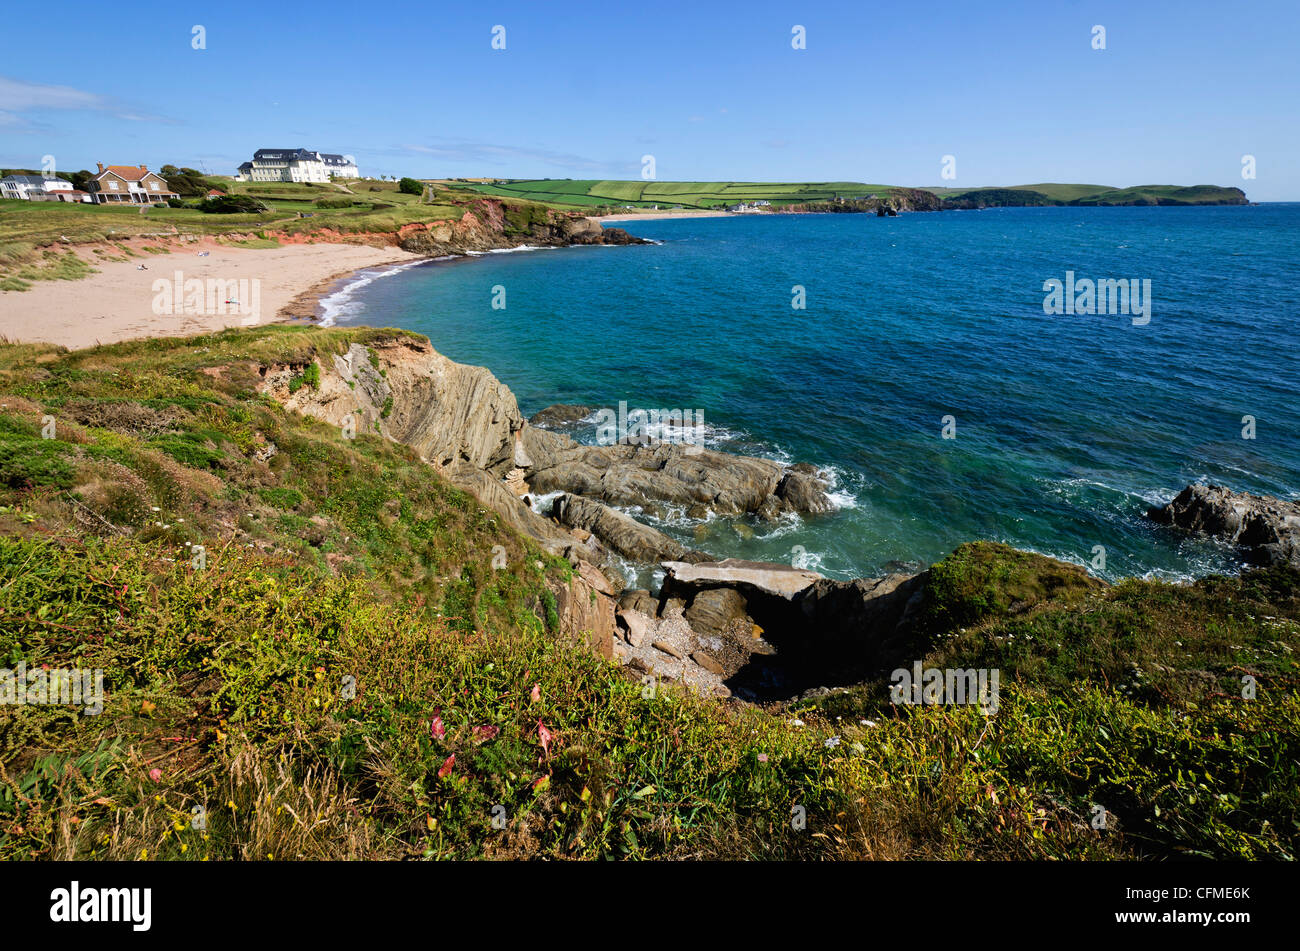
[409, 186]
[231, 205]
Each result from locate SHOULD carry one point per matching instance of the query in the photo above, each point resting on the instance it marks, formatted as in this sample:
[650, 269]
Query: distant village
[136, 184]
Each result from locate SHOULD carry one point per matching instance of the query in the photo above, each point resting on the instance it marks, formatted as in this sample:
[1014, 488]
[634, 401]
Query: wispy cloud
[20, 95]
[13, 124]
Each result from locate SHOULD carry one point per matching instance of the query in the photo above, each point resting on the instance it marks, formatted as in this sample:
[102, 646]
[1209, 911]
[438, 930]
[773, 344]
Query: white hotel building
[296, 165]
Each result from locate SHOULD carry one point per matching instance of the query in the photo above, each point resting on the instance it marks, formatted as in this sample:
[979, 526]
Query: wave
[341, 303]
[522, 247]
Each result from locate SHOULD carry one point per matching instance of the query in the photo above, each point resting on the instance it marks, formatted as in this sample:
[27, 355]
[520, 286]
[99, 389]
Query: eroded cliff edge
[761, 630]
[467, 425]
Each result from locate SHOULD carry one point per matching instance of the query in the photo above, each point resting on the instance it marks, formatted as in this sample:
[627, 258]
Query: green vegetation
[26, 266]
[608, 195]
[231, 205]
[332, 562]
[410, 186]
[186, 182]
[1051, 193]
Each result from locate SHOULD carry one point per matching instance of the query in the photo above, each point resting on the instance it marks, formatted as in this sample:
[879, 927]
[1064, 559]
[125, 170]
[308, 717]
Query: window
[153, 186]
[113, 185]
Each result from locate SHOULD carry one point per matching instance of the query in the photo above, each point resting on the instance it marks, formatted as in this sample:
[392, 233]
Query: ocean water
[1066, 427]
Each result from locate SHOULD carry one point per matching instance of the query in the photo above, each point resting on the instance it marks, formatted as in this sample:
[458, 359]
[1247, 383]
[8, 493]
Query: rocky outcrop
[767, 579]
[1266, 528]
[560, 416]
[491, 224]
[889, 204]
[620, 532]
[584, 611]
[696, 479]
[466, 425]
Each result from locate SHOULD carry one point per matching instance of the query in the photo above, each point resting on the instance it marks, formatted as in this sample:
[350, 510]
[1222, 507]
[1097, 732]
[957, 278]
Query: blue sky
[883, 91]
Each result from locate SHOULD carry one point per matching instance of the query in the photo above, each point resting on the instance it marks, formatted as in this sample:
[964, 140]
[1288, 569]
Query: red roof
[132, 173]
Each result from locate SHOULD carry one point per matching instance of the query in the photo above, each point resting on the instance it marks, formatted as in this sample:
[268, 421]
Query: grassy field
[334, 558]
[585, 194]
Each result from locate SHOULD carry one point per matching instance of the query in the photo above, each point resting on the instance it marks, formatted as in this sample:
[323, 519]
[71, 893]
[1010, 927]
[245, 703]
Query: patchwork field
[586, 193]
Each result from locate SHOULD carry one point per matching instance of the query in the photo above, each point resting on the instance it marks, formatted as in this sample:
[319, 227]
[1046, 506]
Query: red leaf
[545, 736]
[536, 694]
[436, 729]
[485, 733]
[446, 766]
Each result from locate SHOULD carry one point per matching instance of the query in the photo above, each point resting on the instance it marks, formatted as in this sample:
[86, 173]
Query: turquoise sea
[1067, 427]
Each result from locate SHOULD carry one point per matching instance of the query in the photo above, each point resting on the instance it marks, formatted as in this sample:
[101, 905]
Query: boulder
[638, 599]
[714, 611]
[636, 626]
[560, 415]
[802, 492]
[1266, 528]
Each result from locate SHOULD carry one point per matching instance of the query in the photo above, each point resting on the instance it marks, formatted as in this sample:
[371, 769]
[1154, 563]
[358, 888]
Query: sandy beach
[122, 302]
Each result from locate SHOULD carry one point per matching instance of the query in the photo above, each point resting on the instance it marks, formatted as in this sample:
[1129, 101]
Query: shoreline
[122, 300]
[664, 215]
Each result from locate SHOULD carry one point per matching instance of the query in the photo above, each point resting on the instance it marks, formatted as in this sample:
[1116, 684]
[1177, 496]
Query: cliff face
[489, 224]
[898, 199]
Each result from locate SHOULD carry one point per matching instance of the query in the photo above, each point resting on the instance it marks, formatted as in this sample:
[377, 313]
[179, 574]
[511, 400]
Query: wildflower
[831, 742]
[796, 722]
[762, 757]
[155, 774]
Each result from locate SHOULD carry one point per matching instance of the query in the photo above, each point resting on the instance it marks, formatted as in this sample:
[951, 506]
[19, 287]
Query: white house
[26, 187]
[296, 165]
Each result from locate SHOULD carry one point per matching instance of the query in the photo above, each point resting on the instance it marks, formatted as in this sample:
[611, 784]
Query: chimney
[144, 168]
[101, 165]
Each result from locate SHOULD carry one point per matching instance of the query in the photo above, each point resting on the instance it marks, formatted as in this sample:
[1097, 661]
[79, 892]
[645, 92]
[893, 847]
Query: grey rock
[638, 599]
[713, 611]
[1266, 528]
[620, 532]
